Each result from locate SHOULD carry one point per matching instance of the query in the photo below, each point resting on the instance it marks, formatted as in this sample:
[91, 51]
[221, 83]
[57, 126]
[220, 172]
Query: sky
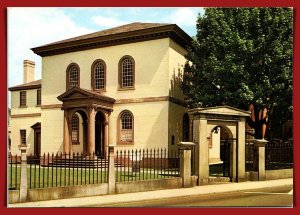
[31, 27]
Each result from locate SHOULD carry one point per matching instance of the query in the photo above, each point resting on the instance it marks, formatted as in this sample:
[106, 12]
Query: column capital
[91, 107]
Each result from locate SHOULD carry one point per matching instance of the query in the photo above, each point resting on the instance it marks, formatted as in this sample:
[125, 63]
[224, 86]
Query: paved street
[268, 197]
[250, 193]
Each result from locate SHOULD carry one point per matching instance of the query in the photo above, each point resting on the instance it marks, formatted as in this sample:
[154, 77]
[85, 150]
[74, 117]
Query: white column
[66, 132]
[91, 131]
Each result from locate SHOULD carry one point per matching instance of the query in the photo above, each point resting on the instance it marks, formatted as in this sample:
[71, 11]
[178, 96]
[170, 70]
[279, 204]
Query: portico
[94, 110]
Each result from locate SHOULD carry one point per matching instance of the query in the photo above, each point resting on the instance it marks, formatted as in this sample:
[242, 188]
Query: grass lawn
[56, 177]
[61, 177]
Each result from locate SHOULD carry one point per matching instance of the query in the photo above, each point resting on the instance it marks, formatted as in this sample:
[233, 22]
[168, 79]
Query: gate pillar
[260, 158]
[203, 154]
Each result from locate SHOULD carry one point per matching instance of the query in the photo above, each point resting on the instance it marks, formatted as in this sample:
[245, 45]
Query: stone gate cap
[220, 110]
[186, 145]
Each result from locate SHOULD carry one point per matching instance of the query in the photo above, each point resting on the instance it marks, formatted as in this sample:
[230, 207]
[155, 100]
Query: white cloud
[107, 22]
[184, 16]
[31, 27]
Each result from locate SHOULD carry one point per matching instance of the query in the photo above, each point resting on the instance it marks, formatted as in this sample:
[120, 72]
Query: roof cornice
[172, 31]
[29, 87]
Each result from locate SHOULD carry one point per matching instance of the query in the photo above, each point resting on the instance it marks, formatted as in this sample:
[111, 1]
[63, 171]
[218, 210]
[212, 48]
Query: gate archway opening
[233, 120]
[220, 150]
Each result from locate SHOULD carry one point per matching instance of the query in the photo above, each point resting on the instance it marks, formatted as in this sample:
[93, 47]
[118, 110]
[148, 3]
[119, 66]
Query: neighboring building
[26, 111]
[120, 86]
[8, 129]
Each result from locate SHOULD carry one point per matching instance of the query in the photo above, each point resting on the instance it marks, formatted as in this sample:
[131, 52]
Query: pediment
[221, 110]
[77, 93]
[74, 93]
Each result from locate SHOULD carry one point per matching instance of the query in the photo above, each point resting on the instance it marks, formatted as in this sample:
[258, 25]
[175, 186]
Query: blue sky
[31, 27]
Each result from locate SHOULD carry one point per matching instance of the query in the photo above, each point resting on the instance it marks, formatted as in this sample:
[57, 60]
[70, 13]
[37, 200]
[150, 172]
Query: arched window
[73, 76]
[75, 129]
[186, 127]
[126, 127]
[98, 75]
[126, 72]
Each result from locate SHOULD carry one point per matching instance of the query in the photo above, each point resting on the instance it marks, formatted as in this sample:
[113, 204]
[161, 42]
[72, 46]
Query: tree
[243, 56]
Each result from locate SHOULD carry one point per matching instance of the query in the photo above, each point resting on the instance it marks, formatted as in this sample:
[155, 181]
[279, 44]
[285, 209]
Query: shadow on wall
[177, 108]
[175, 90]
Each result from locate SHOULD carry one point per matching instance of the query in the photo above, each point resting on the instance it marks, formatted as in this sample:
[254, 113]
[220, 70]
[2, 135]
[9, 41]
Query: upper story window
[23, 136]
[75, 129]
[38, 97]
[23, 99]
[73, 76]
[126, 72]
[126, 125]
[98, 75]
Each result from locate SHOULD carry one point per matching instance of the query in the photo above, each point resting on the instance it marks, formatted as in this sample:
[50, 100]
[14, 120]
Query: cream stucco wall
[31, 99]
[151, 66]
[23, 123]
[17, 123]
[150, 124]
[214, 150]
[52, 130]
[176, 67]
[156, 63]
[176, 113]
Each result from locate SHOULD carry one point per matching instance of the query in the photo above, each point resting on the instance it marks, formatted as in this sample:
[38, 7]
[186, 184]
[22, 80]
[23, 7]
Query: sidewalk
[154, 195]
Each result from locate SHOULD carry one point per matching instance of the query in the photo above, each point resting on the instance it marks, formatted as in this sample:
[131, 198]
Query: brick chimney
[29, 67]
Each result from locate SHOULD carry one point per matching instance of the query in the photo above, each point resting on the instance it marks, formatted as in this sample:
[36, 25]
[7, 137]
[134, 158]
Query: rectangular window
[23, 99]
[38, 97]
[23, 136]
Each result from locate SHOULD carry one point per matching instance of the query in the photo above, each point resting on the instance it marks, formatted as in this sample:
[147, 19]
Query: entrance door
[99, 135]
[37, 138]
[37, 143]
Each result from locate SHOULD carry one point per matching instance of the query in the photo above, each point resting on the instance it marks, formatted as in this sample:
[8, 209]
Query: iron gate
[225, 157]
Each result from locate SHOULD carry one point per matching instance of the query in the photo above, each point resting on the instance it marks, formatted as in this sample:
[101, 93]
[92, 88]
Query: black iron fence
[14, 172]
[279, 155]
[250, 155]
[58, 170]
[135, 165]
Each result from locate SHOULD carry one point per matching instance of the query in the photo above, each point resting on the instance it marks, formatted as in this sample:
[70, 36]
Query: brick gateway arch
[204, 121]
